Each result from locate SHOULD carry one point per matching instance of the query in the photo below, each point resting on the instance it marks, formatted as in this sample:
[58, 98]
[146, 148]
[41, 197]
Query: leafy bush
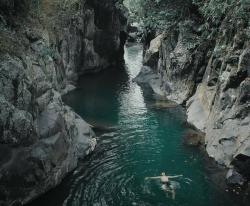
[158, 14]
[243, 10]
[215, 10]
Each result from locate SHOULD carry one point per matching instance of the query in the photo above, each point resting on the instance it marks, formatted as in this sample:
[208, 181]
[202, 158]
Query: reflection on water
[145, 140]
[98, 95]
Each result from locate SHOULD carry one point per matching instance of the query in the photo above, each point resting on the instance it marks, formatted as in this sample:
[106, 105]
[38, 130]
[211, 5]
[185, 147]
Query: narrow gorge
[98, 96]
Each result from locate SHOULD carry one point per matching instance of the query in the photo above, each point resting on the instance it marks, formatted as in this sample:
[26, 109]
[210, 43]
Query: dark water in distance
[144, 141]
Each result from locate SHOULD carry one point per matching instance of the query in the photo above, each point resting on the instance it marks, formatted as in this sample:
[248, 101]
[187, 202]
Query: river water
[143, 140]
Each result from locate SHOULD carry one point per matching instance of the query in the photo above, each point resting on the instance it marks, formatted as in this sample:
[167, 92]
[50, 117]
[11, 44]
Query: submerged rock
[194, 138]
[163, 105]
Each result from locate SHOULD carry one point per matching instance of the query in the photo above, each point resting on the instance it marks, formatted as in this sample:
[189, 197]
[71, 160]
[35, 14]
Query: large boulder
[152, 53]
[148, 77]
[41, 138]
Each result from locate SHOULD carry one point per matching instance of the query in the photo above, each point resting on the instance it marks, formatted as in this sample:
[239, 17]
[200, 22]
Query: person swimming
[164, 178]
[166, 183]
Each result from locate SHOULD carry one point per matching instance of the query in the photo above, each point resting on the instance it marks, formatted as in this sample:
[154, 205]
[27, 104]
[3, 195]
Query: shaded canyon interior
[46, 45]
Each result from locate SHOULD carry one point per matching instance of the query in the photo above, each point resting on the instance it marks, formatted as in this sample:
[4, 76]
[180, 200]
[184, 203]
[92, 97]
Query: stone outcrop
[44, 46]
[208, 71]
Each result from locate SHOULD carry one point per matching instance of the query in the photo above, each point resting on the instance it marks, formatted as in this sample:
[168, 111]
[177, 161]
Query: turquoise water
[138, 139]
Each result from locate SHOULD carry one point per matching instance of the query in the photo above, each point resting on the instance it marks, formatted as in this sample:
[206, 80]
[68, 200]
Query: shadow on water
[95, 97]
[98, 94]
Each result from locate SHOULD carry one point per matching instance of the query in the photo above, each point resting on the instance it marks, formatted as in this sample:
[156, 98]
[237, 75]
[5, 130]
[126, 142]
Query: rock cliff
[206, 68]
[44, 46]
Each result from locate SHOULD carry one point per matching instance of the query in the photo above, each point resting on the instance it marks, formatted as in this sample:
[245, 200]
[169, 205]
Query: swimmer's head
[163, 174]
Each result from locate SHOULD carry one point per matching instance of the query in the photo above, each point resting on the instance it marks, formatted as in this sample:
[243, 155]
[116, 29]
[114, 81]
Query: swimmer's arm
[158, 177]
[175, 176]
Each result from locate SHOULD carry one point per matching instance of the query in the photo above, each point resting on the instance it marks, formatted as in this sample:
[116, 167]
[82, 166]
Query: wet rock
[152, 54]
[164, 104]
[194, 138]
[132, 38]
[235, 178]
[241, 162]
[149, 78]
[145, 75]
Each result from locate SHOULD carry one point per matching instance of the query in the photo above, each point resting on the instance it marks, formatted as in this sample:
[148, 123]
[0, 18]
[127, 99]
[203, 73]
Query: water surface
[143, 140]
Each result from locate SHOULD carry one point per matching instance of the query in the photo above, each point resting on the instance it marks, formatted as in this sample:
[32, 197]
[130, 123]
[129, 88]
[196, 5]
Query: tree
[158, 14]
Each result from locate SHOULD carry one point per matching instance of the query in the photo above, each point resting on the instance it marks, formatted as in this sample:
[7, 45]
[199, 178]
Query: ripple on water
[145, 142]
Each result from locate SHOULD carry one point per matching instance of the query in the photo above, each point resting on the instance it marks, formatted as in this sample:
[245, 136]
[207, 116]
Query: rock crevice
[44, 47]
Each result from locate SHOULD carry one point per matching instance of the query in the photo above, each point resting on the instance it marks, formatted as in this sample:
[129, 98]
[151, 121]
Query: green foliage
[243, 10]
[157, 14]
[215, 10]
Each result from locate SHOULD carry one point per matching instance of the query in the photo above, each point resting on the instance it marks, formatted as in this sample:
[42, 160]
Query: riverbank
[208, 73]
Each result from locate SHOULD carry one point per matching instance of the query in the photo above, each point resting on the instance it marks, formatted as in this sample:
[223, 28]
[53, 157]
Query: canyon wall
[45, 45]
[206, 68]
